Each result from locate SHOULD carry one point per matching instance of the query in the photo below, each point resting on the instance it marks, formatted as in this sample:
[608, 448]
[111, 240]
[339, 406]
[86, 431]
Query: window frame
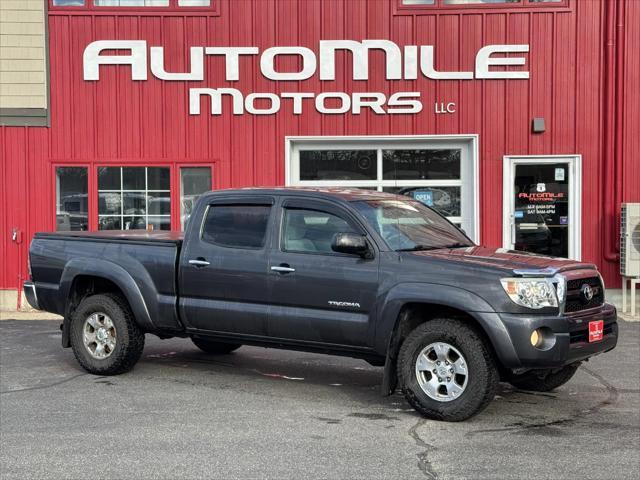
[171, 10]
[146, 191]
[55, 194]
[232, 203]
[523, 6]
[93, 165]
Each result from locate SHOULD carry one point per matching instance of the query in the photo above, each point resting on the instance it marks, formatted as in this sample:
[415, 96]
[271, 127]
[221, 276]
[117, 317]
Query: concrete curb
[32, 315]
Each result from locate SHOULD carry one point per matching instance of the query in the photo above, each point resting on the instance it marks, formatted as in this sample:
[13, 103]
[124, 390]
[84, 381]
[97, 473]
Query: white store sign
[409, 63]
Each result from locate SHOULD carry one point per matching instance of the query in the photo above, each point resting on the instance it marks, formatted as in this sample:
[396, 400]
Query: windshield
[409, 225]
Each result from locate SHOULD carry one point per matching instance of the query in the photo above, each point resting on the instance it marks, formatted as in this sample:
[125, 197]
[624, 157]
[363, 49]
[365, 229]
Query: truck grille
[577, 301]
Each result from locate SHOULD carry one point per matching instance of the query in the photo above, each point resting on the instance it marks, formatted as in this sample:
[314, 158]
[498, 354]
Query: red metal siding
[116, 120]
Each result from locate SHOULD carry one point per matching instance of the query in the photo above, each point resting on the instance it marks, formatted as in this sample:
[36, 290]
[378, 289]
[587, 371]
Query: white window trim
[468, 143]
[575, 196]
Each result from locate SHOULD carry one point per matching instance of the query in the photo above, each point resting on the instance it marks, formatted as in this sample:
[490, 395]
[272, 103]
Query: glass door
[543, 208]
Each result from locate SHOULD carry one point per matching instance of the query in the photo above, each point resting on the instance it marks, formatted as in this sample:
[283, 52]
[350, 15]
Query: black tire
[482, 379]
[543, 381]
[129, 338]
[215, 348]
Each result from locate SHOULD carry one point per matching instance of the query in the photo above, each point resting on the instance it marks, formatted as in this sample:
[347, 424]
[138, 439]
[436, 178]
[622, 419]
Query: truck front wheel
[104, 335]
[446, 371]
[215, 348]
[541, 380]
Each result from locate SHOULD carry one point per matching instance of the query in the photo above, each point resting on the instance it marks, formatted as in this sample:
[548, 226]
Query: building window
[441, 174]
[101, 4]
[340, 165]
[478, 3]
[72, 212]
[236, 226]
[134, 198]
[131, 3]
[194, 181]
[475, 2]
[430, 175]
[194, 3]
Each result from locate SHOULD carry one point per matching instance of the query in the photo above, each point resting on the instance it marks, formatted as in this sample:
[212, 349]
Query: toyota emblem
[587, 292]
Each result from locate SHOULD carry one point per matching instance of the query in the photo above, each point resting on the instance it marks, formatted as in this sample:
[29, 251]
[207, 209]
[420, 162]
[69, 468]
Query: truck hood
[503, 260]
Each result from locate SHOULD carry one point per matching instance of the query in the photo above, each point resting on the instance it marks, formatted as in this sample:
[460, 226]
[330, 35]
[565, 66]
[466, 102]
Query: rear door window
[236, 226]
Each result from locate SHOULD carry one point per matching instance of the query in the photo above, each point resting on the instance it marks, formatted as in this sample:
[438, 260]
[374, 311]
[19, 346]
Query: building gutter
[612, 144]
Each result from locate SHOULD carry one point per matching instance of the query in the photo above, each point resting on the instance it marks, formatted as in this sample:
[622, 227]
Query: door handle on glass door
[199, 262]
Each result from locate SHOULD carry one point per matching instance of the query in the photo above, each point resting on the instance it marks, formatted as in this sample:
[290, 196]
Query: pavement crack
[612, 397]
[40, 387]
[424, 464]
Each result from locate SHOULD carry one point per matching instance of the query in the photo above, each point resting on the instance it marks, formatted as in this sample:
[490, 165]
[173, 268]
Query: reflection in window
[134, 198]
[338, 165]
[418, 2]
[421, 164]
[445, 200]
[68, 3]
[236, 226]
[71, 199]
[194, 181]
[432, 176]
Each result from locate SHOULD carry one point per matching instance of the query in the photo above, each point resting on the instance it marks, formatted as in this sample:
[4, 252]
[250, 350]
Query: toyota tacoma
[364, 274]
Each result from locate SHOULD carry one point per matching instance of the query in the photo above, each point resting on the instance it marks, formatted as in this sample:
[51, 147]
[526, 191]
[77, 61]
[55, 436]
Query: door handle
[199, 262]
[283, 269]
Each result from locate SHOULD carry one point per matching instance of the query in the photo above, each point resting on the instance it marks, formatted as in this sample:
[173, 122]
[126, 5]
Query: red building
[517, 119]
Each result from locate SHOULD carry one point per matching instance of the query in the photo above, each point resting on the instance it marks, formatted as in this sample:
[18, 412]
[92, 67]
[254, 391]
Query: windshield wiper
[417, 248]
[457, 245]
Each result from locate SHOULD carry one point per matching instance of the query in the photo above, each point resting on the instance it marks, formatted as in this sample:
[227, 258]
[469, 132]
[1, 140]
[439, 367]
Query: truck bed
[143, 264]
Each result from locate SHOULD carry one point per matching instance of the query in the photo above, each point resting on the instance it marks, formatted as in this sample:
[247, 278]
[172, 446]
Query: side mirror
[351, 243]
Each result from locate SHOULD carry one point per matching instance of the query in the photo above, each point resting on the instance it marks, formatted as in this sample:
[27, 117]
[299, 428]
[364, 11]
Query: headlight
[531, 292]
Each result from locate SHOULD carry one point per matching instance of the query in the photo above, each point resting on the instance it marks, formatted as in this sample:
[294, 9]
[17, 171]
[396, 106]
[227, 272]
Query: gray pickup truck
[346, 272]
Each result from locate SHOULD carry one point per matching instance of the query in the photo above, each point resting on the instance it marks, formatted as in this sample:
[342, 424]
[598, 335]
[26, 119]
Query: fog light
[536, 338]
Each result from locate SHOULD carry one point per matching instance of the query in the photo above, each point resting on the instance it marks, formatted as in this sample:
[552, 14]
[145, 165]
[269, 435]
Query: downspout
[612, 126]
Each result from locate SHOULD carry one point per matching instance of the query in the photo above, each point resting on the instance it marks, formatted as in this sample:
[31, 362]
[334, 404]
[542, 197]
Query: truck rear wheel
[446, 371]
[215, 348]
[104, 336]
[543, 381]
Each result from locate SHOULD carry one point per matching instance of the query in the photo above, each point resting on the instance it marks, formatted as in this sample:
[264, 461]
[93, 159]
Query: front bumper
[570, 333]
[29, 289]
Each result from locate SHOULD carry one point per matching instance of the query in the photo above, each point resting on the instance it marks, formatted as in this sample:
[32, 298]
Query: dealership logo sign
[409, 63]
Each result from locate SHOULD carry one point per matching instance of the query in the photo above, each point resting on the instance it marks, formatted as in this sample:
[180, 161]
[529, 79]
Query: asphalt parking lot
[261, 413]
